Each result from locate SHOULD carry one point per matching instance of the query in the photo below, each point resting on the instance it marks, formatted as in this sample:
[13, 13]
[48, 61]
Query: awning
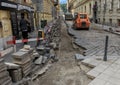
[8, 5]
[24, 7]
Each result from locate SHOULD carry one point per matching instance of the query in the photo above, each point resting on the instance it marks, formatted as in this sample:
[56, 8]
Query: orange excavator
[81, 21]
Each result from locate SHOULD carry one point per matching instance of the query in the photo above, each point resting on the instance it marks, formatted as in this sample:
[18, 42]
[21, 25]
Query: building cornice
[71, 2]
[81, 3]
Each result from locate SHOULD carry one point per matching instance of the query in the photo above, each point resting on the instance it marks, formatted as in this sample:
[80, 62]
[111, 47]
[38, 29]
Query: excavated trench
[66, 71]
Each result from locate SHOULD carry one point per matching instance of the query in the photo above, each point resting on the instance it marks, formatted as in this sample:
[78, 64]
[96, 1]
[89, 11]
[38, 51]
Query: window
[90, 8]
[118, 22]
[118, 3]
[85, 9]
[25, 0]
[111, 4]
[104, 20]
[83, 16]
[110, 21]
[99, 20]
[99, 6]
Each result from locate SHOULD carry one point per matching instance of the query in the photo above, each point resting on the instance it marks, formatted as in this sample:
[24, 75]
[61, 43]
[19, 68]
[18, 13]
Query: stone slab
[106, 73]
[20, 54]
[11, 65]
[91, 62]
[79, 57]
[39, 60]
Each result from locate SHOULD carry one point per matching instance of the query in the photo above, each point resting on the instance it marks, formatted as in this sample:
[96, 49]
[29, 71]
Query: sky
[63, 1]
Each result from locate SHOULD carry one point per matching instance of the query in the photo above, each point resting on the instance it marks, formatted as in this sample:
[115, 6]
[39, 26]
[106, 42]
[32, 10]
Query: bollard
[106, 48]
[14, 42]
[40, 36]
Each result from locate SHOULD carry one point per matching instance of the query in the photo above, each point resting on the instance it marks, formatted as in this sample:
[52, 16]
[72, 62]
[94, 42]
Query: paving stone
[93, 74]
[11, 65]
[79, 57]
[92, 62]
[39, 60]
[35, 55]
[43, 70]
[44, 59]
[104, 77]
[109, 83]
[98, 82]
[114, 80]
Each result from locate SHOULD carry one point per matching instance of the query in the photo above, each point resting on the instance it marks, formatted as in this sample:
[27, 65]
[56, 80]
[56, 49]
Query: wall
[6, 29]
[111, 13]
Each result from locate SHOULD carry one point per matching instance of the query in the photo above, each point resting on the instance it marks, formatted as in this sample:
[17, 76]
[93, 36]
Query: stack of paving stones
[29, 51]
[23, 59]
[14, 71]
[4, 75]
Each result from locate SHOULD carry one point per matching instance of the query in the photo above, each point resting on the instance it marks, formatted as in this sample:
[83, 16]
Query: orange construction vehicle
[81, 21]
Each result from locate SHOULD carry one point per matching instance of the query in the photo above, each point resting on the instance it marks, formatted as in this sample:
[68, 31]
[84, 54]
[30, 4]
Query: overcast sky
[63, 1]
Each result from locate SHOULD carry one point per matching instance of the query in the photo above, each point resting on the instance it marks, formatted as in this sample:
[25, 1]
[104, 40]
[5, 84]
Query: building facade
[45, 10]
[10, 11]
[109, 12]
[82, 6]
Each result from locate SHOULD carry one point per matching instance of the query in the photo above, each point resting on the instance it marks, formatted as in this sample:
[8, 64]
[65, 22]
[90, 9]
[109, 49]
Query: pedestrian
[23, 27]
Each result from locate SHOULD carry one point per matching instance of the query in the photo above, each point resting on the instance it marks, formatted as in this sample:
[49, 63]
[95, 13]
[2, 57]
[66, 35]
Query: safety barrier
[14, 41]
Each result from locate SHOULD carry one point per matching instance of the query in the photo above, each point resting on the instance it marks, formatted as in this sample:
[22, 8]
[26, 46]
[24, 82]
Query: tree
[64, 7]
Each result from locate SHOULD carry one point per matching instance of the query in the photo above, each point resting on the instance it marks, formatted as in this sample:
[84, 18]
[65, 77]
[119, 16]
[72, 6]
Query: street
[87, 42]
[59, 42]
[65, 71]
[90, 44]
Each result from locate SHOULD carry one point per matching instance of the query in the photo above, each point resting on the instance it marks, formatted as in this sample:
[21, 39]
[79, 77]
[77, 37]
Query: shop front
[28, 11]
[6, 7]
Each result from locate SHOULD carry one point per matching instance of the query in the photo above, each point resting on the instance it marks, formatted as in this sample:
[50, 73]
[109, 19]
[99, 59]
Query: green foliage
[64, 7]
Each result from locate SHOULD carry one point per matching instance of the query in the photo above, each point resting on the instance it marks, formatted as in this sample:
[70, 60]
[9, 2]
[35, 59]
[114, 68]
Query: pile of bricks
[23, 59]
[4, 75]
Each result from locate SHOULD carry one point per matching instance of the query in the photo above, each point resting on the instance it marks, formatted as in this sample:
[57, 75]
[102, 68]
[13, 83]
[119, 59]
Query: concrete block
[44, 59]
[91, 62]
[20, 55]
[16, 74]
[27, 47]
[35, 55]
[41, 50]
[39, 60]
[11, 65]
[79, 57]
[93, 74]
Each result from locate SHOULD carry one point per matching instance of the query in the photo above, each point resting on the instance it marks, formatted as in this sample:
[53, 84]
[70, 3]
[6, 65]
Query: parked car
[81, 21]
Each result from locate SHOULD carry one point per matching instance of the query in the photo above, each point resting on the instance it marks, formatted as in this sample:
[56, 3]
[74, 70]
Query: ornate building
[10, 11]
[108, 12]
[82, 6]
